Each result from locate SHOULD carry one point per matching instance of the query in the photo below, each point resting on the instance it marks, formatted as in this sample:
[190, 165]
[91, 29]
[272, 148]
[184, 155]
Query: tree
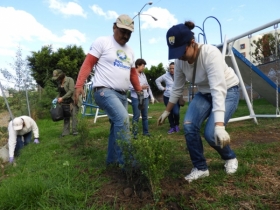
[265, 49]
[153, 74]
[22, 81]
[42, 63]
[22, 78]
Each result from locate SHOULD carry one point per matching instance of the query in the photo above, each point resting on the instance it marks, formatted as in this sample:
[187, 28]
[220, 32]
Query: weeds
[153, 157]
[42, 178]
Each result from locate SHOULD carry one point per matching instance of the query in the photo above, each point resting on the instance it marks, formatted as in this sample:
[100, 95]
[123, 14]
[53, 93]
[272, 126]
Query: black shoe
[147, 134]
[61, 136]
[75, 133]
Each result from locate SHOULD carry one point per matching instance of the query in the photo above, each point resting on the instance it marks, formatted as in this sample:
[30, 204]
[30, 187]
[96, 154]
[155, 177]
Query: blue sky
[32, 24]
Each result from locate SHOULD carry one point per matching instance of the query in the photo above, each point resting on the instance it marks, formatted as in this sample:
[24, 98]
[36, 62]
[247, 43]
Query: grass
[70, 172]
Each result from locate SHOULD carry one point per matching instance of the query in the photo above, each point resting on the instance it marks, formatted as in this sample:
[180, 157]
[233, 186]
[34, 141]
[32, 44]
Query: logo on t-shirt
[124, 61]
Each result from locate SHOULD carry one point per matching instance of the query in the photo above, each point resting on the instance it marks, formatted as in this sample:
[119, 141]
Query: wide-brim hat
[56, 74]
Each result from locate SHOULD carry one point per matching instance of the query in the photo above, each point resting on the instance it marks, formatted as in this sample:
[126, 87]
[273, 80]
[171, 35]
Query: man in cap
[66, 98]
[114, 70]
[20, 133]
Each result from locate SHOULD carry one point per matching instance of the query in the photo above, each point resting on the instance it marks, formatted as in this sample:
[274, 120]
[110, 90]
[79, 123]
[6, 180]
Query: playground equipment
[246, 71]
[89, 107]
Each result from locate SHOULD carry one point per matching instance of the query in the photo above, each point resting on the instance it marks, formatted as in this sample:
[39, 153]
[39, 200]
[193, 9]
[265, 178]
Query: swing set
[251, 74]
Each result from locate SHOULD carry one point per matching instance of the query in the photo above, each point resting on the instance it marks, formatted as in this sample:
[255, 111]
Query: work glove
[11, 159]
[162, 117]
[36, 141]
[54, 101]
[140, 96]
[221, 136]
[152, 100]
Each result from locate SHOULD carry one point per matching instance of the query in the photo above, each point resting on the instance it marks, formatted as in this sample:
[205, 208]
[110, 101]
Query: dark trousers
[22, 141]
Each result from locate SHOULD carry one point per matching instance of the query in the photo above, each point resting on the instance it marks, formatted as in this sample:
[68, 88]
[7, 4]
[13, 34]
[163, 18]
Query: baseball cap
[124, 21]
[17, 123]
[56, 74]
[177, 38]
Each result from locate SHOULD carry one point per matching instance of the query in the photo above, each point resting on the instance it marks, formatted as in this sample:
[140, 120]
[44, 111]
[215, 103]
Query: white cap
[17, 123]
[124, 21]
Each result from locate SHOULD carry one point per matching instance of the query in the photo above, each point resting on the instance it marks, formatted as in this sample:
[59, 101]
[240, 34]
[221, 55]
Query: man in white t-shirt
[114, 70]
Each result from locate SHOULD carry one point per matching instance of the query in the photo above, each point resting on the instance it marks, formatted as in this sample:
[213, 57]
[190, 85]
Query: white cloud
[99, 11]
[69, 8]
[155, 40]
[19, 27]
[164, 18]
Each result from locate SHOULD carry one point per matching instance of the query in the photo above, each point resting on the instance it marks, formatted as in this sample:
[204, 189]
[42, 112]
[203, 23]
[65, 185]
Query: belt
[118, 91]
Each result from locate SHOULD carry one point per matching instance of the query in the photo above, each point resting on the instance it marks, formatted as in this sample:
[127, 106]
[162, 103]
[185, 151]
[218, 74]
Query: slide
[261, 83]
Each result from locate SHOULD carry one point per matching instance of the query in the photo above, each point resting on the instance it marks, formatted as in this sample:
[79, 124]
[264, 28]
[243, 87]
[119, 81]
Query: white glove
[162, 117]
[221, 136]
[152, 100]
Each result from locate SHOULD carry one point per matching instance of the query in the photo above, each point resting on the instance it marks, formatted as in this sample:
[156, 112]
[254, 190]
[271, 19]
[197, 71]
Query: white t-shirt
[114, 64]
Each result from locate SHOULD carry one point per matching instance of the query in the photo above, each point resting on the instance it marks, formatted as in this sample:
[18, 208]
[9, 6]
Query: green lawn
[70, 172]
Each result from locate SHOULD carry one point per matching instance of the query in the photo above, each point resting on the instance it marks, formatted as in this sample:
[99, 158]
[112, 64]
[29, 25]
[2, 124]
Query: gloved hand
[222, 137]
[11, 159]
[54, 101]
[36, 141]
[152, 100]
[162, 117]
[140, 96]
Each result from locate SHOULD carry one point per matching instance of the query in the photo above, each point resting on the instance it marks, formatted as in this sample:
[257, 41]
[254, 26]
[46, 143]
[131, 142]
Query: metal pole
[252, 31]
[27, 100]
[235, 66]
[140, 35]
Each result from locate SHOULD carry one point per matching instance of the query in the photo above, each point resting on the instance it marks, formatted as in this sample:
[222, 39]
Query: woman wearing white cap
[20, 133]
[216, 100]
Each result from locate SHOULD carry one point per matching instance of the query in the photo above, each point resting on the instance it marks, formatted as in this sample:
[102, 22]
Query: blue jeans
[174, 116]
[115, 106]
[144, 114]
[20, 144]
[199, 110]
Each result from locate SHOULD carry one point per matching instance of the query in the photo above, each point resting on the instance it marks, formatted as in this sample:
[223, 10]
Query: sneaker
[177, 129]
[231, 166]
[75, 133]
[172, 130]
[196, 174]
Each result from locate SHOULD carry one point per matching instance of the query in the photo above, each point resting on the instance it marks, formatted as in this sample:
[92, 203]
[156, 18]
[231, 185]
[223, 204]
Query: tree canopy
[265, 48]
[43, 62]
[153, 74]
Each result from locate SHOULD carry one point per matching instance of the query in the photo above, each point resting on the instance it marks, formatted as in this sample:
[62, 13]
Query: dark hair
[140, 62]
[61, 77]
[191, 26]
[172, 63]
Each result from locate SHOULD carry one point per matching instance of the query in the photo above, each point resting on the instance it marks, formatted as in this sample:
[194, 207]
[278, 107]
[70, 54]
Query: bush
[153, 156]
